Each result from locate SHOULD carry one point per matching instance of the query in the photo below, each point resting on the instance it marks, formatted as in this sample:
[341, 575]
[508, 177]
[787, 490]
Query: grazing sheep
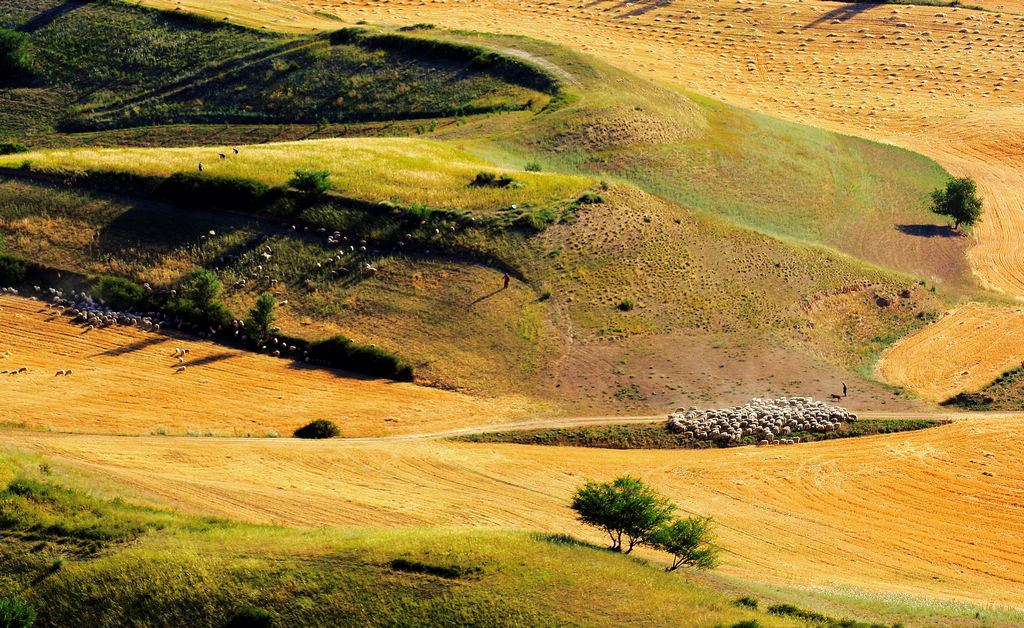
[222, 155]
[200, 166]
[59, 372]
[180, 369]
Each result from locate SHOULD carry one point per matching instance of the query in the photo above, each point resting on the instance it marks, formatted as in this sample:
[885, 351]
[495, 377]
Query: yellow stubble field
[125, 381]
[934, 513]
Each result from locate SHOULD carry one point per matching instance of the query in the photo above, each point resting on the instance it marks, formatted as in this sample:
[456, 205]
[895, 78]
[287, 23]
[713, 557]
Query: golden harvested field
[976, 343]
[944, 81]
[124, 381]
[402, 170]
[935, 513]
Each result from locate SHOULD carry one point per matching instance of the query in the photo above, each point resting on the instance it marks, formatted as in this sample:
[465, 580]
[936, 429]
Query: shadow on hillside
[337, 372]
[135, 346]
[49, 16]
[485, 297]
[929, 231]
[847, 11]
[210, 359]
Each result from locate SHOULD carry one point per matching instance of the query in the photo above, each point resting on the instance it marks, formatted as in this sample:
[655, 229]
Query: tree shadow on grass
[929, 231]
[210, 359]
[50, 16]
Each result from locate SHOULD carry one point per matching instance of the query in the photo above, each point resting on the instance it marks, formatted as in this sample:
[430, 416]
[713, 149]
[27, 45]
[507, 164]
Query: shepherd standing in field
[506, 278]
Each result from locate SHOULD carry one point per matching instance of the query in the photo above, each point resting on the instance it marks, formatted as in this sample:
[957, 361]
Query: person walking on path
[844, 389]
[506, 278]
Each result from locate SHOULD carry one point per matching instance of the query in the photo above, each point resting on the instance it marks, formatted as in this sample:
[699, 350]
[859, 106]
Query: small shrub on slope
[320, 428]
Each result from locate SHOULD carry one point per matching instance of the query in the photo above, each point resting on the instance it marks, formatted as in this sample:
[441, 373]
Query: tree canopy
[624, 507]
[689, 542]
[959, 200]
[261, 316]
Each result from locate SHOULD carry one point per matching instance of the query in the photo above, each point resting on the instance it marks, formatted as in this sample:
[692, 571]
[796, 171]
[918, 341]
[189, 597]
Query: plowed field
[944, 81]
[936, 512]
[125, 381]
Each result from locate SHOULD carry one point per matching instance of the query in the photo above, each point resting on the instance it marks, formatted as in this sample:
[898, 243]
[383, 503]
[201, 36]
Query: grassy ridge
[169, 66]
[174, 570]
[657, 436]
[402, 170]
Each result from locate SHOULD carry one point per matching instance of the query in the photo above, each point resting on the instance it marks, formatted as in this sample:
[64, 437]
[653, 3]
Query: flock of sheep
[772, 421]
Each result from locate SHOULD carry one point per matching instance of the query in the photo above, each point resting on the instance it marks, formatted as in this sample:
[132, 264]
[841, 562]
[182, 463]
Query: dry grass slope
[943, 81]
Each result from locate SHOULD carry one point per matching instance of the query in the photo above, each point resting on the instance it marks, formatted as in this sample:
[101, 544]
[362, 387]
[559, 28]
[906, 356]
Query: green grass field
[404, 171]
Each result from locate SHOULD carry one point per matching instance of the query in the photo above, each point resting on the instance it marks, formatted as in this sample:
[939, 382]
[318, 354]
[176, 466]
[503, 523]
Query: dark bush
[340, 352]
[16, 614]
[320, 428]
[484, 178]
[251, 617]
[10, 148]
[13, 54]
[198, 190]
[747, 623]
[626, 305]
[747, 601]
[12, 270]
[590, 198]
[346, 35]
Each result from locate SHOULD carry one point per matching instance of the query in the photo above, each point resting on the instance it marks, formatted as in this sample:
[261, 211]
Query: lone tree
[13, 54]
[624, 507]
[261, 316]
[203, 289]
[959, 200]
[689, 542]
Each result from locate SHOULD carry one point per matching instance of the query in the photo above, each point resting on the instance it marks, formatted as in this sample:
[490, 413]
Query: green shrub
[311, 183]
[12, 270]
[484, 179]
[747, 623]
[590, 198]
[626, 305]
[747, 601]
[118, 293]
[321, 428]
[10, 148]
[13, 54]
[533, 166]
[251, 617]
[16, 614]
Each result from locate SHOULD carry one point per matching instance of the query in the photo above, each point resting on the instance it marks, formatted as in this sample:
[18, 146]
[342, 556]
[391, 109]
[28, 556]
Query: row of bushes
[501, 66]
[199, 304]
